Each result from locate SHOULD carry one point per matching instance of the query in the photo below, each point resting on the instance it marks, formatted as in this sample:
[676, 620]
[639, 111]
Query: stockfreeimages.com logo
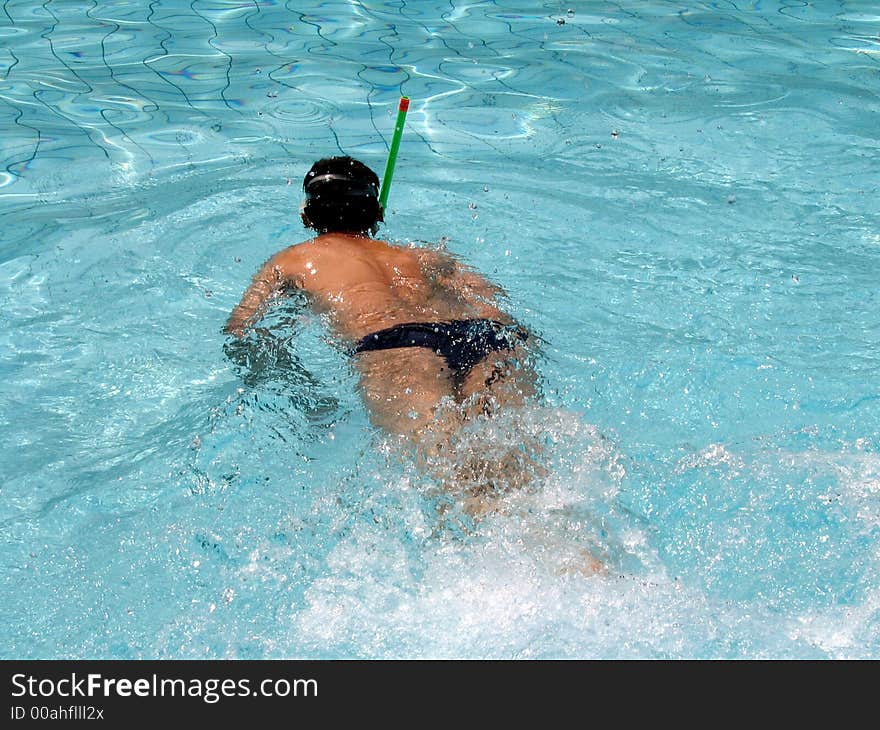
[209, 690]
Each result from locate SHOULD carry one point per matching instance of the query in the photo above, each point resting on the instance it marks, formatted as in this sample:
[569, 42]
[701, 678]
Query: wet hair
[342, 196]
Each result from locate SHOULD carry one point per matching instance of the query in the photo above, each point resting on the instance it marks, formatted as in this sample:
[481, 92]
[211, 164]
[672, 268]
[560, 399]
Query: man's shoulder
[297, 248]
[292, 254]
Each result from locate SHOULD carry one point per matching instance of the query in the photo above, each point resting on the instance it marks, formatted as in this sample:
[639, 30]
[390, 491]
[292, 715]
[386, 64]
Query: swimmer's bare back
[367, 286]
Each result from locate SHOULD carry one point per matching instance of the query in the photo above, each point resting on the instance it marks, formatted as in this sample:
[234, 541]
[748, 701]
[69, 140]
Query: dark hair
[342, 195]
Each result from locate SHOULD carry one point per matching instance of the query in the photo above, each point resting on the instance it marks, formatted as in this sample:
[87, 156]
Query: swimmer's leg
[403, 390]
[499, 385]
[409, 392]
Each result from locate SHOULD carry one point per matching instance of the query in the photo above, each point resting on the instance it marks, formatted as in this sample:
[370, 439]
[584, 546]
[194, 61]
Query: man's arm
[268, 282]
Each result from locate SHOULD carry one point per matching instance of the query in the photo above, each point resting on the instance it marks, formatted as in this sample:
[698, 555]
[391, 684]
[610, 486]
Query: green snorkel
[392, 152]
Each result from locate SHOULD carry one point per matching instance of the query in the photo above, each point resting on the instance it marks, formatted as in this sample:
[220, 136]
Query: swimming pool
[679, 197]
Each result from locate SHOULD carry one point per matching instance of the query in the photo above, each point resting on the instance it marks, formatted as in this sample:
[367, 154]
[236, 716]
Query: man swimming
[433, 349]
[424, 330]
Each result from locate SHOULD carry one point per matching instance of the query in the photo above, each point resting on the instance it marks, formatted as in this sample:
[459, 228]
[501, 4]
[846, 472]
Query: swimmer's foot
[584, 564]
[477, 507]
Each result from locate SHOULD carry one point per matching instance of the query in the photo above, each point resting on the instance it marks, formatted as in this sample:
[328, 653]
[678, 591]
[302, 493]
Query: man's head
[342, 196]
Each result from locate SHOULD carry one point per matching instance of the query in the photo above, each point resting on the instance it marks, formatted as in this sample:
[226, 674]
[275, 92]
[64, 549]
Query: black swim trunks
[461, 342]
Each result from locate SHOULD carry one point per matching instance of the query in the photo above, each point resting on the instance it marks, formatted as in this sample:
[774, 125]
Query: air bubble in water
[570, 13]
[472, 206]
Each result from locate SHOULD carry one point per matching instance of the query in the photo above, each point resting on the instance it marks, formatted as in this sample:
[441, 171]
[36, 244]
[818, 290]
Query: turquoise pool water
[681, 198]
